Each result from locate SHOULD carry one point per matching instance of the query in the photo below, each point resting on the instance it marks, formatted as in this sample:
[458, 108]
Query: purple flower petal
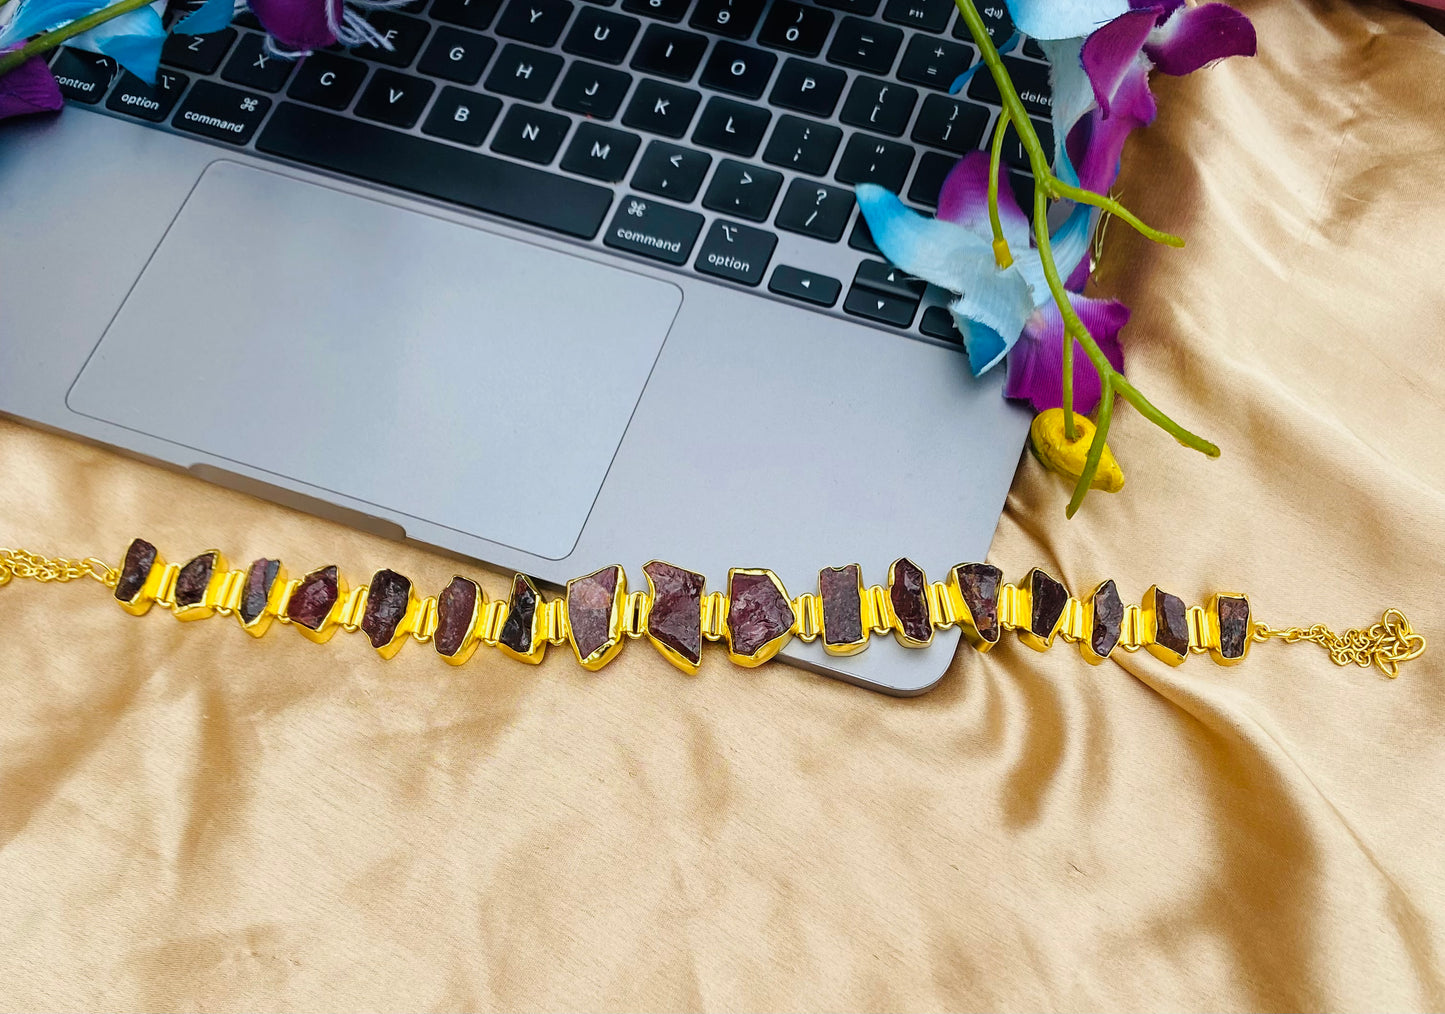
[963, 200]
[1096, 144]
[29, 88]
[301, 25]
[1111, 52]
[1036, 362]
[1198, 36]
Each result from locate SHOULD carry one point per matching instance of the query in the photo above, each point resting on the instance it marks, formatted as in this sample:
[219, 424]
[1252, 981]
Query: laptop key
[880, 306]
[652, 229]
[861, 239]
[668, 52]
[934, 62]
[462, 116]
[815, 209]
[393, 98]
[950, 124]
[252, 67]
[995, 18]
[531, 134]
[669, 171]
[83, 76]
[601, 35]
[740, 70]
[803, 145]
[734, 18]
[929, 15]
[865, 45]
[325, 79]
[730, 126]
[539, 22]
[1030, 79]
[603, 153]
[134, 97]
[808, 286]
[747, 191]
[868, 159]
[737, 253]
[881, 277]
[808, 87]
[456, 55]
[862, 8]
[403, 33]
[200, 53]
[220, 112]
[795, 28]
[524, 73]
[937, 322]
[879, 105]
[933, 169]
[667, 10]
[592, 90]
[661, 108]
[473, 14]
[384, 156]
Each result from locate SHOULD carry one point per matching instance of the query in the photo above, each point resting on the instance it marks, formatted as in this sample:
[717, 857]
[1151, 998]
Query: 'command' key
[653, 229]
[226, 114]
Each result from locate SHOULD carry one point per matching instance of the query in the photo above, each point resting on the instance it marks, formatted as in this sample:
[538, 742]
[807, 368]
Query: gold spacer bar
[1009, 607]
[228, 596]
[283, 613]
[1199, 636]
[425, 624]
[554, 621]
[166, 589]
[808, 616]
[1072, 629]
[941, 610]
[877, 609]
[353, 609]
[714, 616]
[492, 622]
[1131, 631]
[634, 613]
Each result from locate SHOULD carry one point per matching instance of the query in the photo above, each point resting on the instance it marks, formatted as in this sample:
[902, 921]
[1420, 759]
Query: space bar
[436, 170]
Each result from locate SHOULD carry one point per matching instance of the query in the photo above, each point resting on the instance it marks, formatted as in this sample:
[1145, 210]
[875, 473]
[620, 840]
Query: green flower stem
[1002, 256]
[1048, 187]
[51, 39]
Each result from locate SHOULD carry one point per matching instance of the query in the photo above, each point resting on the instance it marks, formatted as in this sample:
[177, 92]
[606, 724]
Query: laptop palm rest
[401, 360]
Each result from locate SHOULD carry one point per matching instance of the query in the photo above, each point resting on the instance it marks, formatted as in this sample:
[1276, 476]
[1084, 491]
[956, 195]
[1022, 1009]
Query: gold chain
[1387, 644]
[23, 563]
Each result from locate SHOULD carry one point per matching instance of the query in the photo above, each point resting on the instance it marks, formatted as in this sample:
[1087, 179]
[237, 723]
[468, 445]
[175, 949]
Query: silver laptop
[547, 284]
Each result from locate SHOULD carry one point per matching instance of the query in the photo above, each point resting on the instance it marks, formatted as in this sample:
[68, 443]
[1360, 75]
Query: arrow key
[887, 279]
[669, 171]
[808, 286]
[880, 306]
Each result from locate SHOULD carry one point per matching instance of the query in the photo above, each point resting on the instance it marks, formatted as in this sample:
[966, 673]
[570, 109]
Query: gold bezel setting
[773, 645]
[846, 647]
[608, 650]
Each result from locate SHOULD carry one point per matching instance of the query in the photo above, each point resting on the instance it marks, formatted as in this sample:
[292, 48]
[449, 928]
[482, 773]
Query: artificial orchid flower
[133, 39]
[297, 27]
[29, 88]
[999, 311]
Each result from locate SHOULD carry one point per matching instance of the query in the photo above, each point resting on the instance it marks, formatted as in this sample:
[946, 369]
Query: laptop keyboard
[719, 137]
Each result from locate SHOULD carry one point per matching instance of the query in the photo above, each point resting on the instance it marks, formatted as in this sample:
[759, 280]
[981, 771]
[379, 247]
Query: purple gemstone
[909, 593]
[979, 584]
[757, 612]
[139, 559]
[257, 591]
[589, 609]
[842, 604]
[675, 618]
[387, 599]
[521, 616]
[456, 608]
[1233, 627]
[1049, 598]
[1171, 622]
[312, 600]
[193, 580]
[1108, 619]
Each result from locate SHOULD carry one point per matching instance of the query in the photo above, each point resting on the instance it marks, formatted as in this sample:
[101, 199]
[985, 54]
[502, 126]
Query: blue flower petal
[36, 16]
[1073, 95]
[985, 346]
[211, 16]
[1063, 19]
[132, 40]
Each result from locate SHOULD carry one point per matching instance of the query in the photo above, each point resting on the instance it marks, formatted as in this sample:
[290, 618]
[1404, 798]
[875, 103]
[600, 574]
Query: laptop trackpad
[436, 370]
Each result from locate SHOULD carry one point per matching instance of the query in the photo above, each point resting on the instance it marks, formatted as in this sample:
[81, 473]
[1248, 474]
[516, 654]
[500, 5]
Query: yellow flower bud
[1059, 454]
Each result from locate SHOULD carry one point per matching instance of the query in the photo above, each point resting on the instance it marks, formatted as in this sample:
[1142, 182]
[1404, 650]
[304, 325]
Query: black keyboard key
[670, 171]
[473, 14]
[1029, 78]
[531, 134]
[83, 76]
[403, 36]
[808, 87]
[462, 116]
[601, 35]
[951, 124]
[995, 19]
[937, 322]
[929, 15]
[808, 286]
[395, 99]
[150, 102]
[600, 152]
[217, 111]
[539, 22]
[1016, 155]
[668, 52]
[740, 70]
[456, 55]
[736, 252]
[436, 170]
[815, 209]
[803, 145]
[747, 191]
[868, 159]
[883, 308]
[881, 277]
[861, 239]
[862, 8]
[1032, 48]
[325, 79]
[661, 108]
[200, 53]
[592, 90]
[250, 65]
[933, 169]
[796, 28]
[524, 73]
[654, 230]
[731, 126]
[865, 45]
[935, 62]
[667, 10]
[879, 105]
[734, 18]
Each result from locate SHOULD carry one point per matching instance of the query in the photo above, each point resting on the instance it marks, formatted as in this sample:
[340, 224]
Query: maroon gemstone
[139, 559]
[193, 580]
[1233, 627]
[312, 600]
[1171, 622]
[909, 593]
[521, 616]
[387, 599]
[842, 604]
[257, 591]
[1049, 598]
[979, 584]
[1108, 619]
[757, 612]
[675, 618]
[589, 609]
[456, 608]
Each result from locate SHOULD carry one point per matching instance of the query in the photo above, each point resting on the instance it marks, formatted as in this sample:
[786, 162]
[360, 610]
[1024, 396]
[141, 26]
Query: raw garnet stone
[675, 618]
[842, 604]
[909, 596]
[589, 609]
[456, 607]
[387, 599]
[757, 612]
[979, 583]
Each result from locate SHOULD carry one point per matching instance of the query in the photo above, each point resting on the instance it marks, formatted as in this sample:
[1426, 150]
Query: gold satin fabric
[190, 819]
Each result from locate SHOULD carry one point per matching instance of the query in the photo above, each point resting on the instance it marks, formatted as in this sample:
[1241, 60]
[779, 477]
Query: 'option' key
[736, 252]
